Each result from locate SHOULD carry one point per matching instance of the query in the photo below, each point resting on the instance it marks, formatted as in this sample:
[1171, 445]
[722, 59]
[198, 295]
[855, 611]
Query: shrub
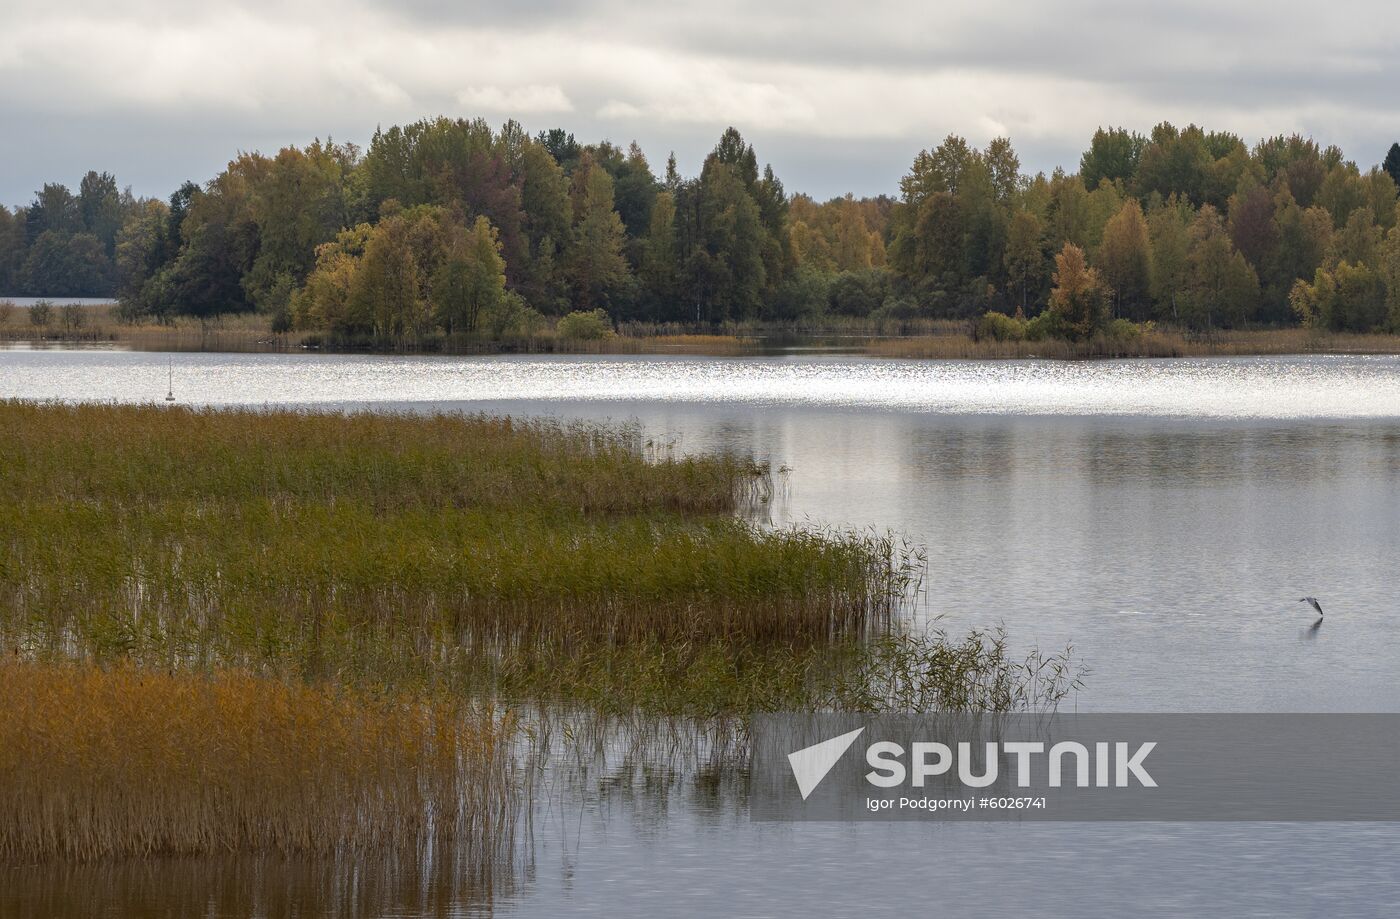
[41, 314]
[801, 295]
[72, 317]
[587, 326]
[897, 308]
[1047, 325]
[858, 293]
[999, 327]
[512, 316]
[1123, 329]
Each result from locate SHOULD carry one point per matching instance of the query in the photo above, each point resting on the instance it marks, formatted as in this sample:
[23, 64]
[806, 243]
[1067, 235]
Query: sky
[838, 96]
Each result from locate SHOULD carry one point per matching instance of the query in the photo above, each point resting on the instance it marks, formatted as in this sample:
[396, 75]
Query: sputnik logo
[811, 764]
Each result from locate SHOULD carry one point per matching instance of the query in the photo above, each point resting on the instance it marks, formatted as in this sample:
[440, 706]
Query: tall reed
[133, 454]
[1158, 342]
[252, 537]
[121, 761]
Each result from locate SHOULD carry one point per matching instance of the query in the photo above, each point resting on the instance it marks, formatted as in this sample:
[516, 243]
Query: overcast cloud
[838, 96]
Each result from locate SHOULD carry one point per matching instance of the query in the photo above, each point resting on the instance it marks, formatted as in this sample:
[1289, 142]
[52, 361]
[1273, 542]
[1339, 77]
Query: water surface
[1162, 517]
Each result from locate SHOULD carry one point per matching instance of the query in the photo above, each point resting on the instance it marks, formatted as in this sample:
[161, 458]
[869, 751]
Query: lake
[1162, 517]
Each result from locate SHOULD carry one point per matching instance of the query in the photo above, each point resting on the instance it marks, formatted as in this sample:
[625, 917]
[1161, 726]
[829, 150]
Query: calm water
[1161, 516]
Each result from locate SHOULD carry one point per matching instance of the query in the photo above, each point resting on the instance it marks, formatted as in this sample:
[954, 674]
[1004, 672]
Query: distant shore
[97, 326]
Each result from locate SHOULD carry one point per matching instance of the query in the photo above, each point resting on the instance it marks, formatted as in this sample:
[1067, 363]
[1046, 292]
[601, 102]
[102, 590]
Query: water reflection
[1162, 516]
[1337, 386]
[366, 886]
[1172, 454]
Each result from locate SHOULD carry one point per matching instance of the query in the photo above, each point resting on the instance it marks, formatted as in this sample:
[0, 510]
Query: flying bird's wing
[1312, 601]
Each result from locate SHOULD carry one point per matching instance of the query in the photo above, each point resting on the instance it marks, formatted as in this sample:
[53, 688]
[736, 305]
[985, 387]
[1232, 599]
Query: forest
[449, 227]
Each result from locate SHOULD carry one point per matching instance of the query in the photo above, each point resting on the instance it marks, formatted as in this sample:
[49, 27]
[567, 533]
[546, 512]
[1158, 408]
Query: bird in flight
[1315, 605]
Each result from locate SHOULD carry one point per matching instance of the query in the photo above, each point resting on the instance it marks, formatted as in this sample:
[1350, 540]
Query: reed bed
[389, 548]
[932, 339]
[898, 672]
[252, 332]
[100, 325]
[119, 761]
[1160, 342]
[641, 342]
[133, 455]
[268, 585]
[965, 347]
[244, 631]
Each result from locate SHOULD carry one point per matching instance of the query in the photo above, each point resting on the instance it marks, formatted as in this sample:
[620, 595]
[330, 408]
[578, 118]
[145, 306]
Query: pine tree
[597, 262]
[1392, 163]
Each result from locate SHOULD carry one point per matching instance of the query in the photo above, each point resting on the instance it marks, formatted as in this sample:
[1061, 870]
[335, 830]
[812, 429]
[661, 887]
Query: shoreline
[932, 347]
[910, 340]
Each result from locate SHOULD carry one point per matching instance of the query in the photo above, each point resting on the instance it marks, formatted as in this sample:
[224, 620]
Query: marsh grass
[344, 590]
[933, 671]
[898, 672]
[229, 631]
[135, 456]
[98, 762]
[387, 548]
[1158, 342]
[934, 339]
[252, 332]
[101, 325]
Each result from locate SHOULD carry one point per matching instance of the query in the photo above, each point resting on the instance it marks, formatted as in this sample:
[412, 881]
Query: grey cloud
[838, 98]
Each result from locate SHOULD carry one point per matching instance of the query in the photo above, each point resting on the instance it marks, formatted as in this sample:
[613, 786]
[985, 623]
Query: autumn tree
[1125, 258]
[1343, 190]
[597, 266]
[472, 278]
[1068, 212]
[1390, 274]
[660, 269]
[324, 301]
[1223, 287]
[1171, 244]
[1187, 224]
[1025, 255]
[1358, 241]
[1078, 298]
[1345, 298]
[543, 279]
[1113, 155]
[1251, 223]
[853, 244]
[138, 250]
[1304, 238]
[387, 283]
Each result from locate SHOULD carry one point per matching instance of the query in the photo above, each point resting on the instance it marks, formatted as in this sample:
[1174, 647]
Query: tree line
[448, 226]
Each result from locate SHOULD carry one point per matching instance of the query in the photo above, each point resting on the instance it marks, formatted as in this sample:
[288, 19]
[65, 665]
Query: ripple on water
[1331, 387]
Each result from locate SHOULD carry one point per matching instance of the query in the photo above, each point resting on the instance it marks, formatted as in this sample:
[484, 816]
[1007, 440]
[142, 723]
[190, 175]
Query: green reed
[384, 548]
[256, 571]
[383, 461]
